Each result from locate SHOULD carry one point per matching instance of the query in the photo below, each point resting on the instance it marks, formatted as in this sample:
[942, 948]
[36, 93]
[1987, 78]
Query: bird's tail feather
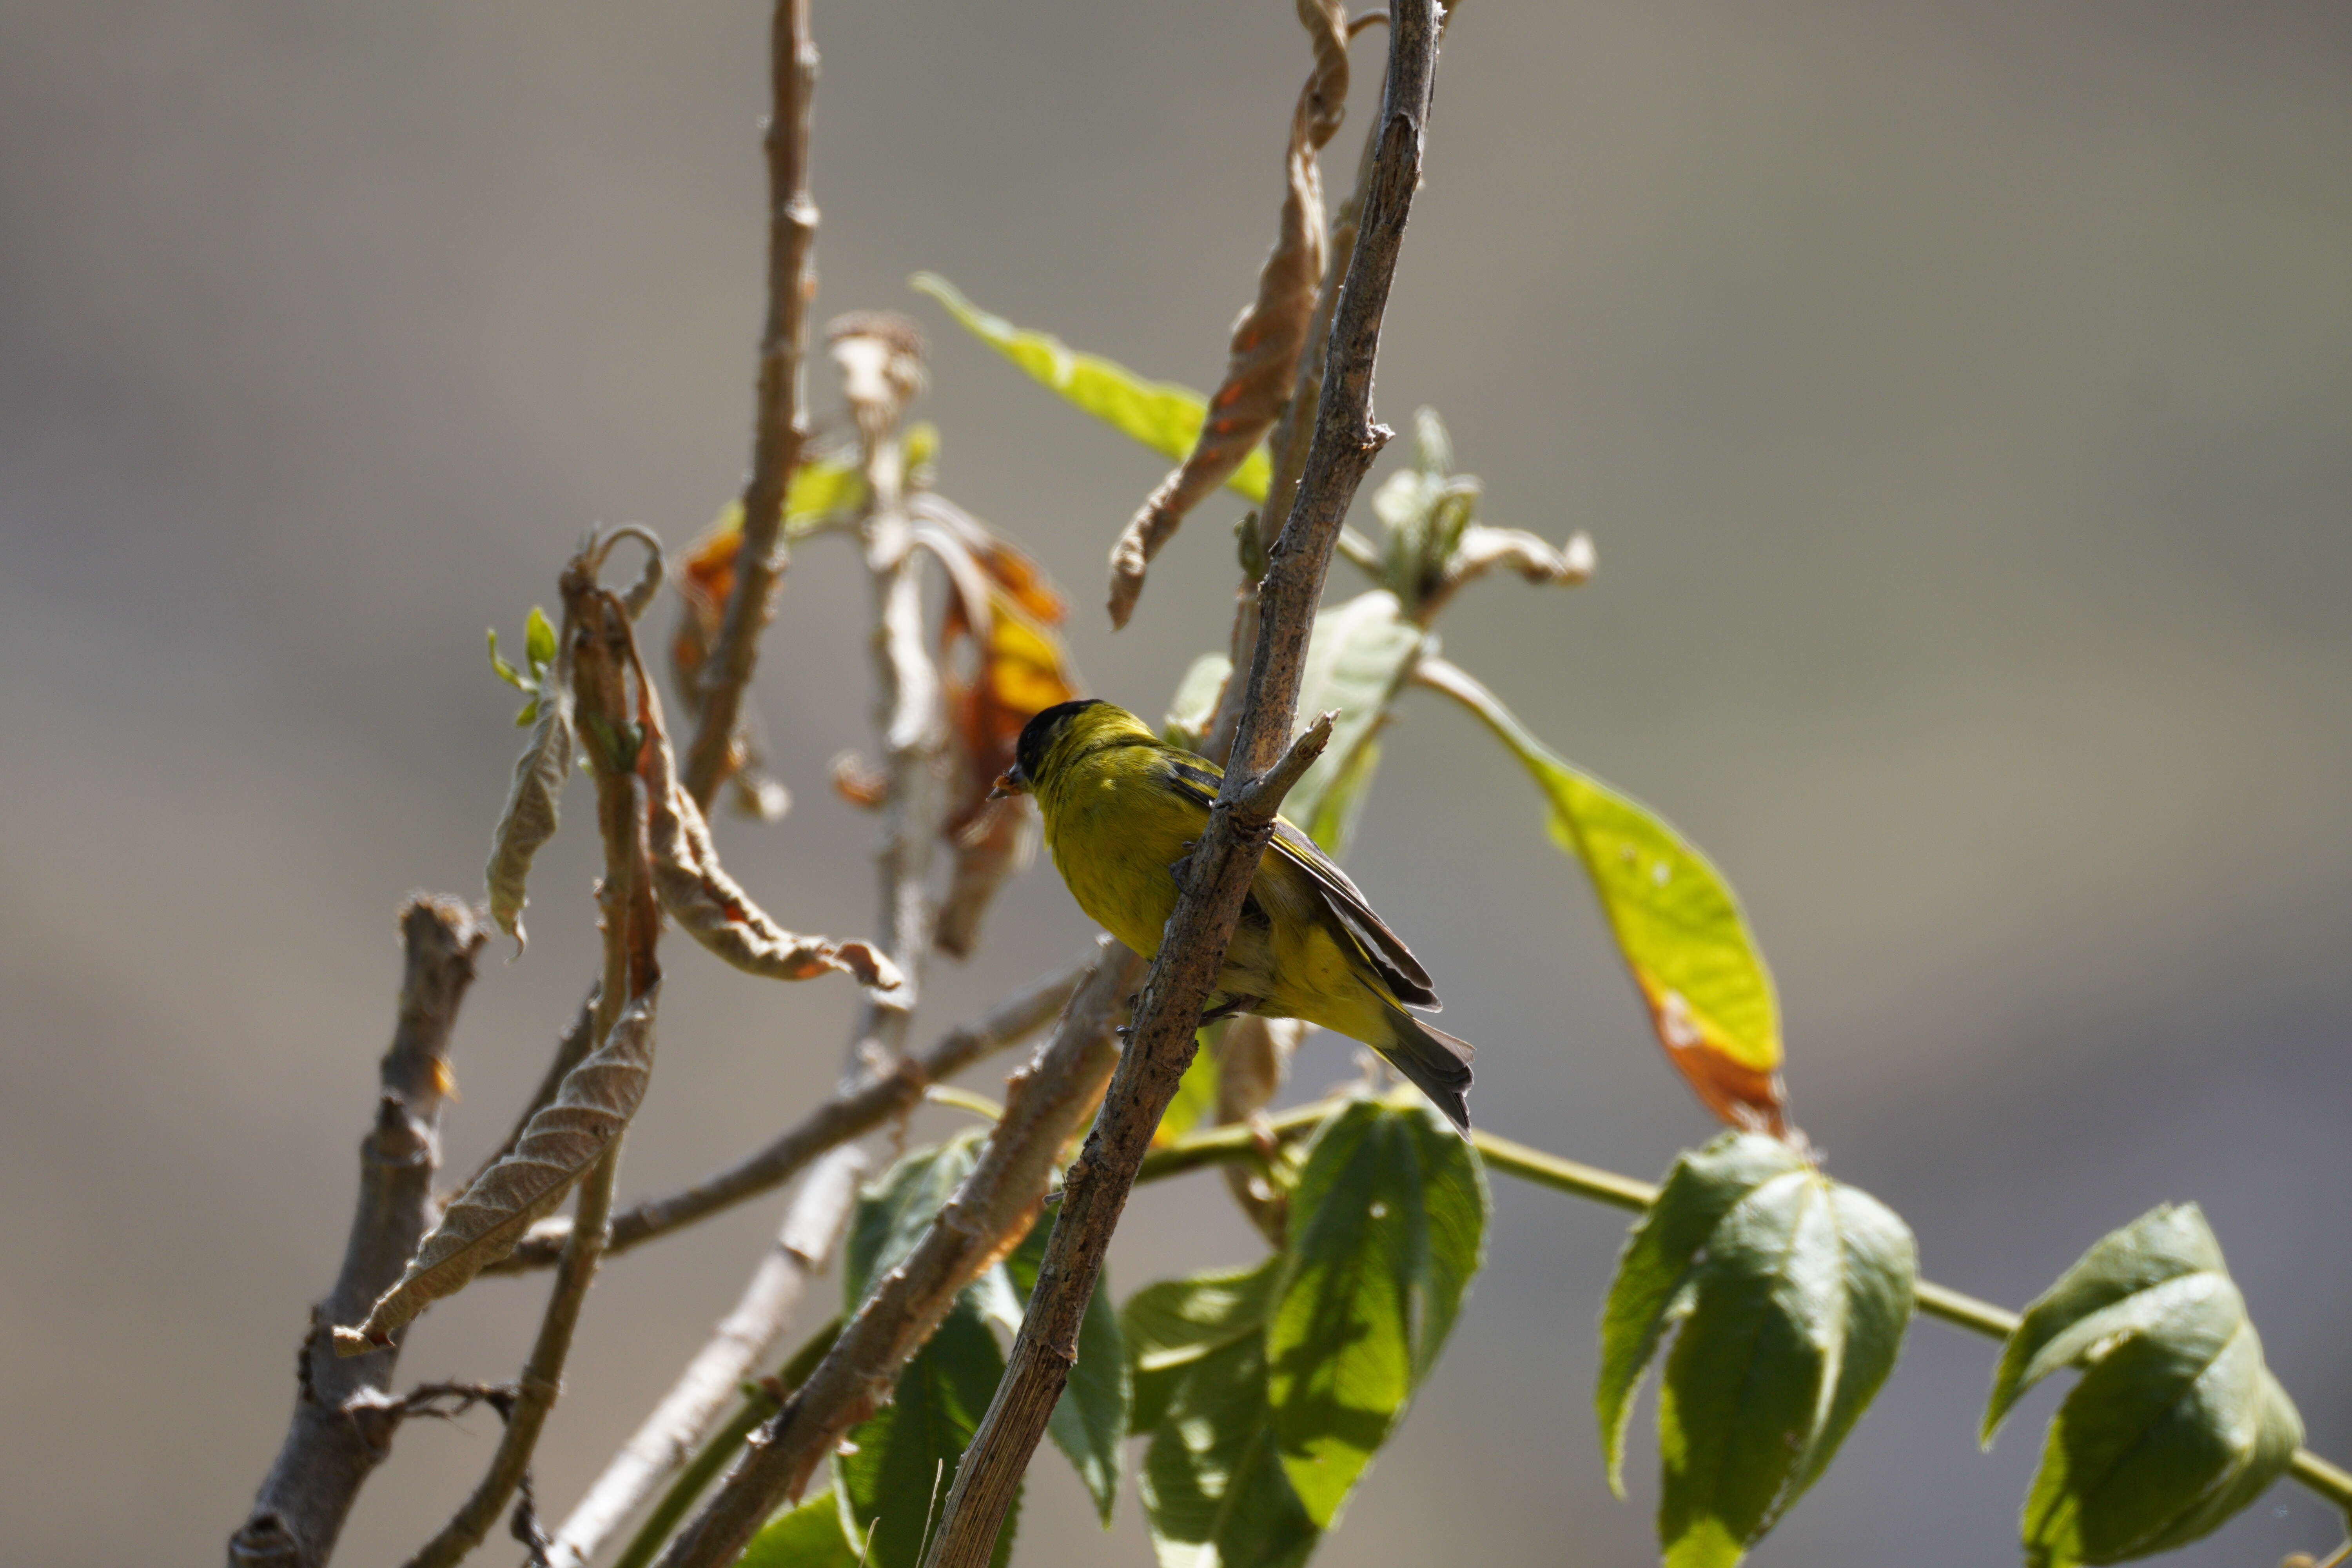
[1434, 1061]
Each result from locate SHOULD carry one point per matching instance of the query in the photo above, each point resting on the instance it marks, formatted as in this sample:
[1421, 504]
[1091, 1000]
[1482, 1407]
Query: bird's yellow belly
[1114, 840]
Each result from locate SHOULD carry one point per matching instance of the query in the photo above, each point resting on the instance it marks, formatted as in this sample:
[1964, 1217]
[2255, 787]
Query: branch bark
[780, 425]
[851, 1113]
[1192, 950]
[632, 928]
[328, 1451]
[813, 1227]
[1044, 1105]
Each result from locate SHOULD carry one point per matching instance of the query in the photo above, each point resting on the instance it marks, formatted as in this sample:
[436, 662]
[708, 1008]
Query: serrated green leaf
[1652, 1289]
[1089, 1421]
[1676, 921]
[1357, 655]
[538, 640]
[809, 1536]
[896, 1207]
[1161, 414]
[1386, 1228]
[1792, 1293]
[2176, 1424]
[903, 1458]
[1172, 1323]
[1213, 1485]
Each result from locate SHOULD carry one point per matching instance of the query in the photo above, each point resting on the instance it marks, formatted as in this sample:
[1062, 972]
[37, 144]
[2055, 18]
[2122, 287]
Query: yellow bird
[1122, 807]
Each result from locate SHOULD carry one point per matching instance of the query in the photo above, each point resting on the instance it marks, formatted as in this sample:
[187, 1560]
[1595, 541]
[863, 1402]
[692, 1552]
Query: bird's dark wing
[1382, 948]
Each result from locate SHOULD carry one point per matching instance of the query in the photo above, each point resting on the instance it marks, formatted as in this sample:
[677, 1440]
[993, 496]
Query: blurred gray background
[1958, 394]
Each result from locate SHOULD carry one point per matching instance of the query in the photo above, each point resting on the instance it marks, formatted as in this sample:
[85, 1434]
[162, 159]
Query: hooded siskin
[1122, 807]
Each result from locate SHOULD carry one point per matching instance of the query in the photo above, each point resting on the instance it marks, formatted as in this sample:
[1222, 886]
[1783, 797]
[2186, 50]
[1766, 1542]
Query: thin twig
[880, 355]
[1191, 952]
[851, 1113]
[632, 928]
[327, 1454]
[1044, 1105]
[780, 425]
[813, 1227]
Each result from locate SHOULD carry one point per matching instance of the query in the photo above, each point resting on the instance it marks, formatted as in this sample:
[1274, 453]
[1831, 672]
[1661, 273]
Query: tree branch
[1192, 950]
[813, 1227]
[851, 1113]
[780, 425]
[1044, 1105]
[603, 656]
[328, 1453]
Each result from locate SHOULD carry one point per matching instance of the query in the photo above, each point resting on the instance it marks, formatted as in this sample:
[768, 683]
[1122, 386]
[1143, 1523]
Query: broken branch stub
[1263, 356]
[562, 1141]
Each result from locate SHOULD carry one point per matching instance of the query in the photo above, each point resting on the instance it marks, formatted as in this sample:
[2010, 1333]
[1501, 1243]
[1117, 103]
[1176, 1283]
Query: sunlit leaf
[1387, 1226]
[809, 1536]
[1677, 921]
[1357, 655]
[899, 1465]
[1213, 1485]
[1788, 1294]
[539, 641]
[1160, 415]
[2176, 1424]
[1089, 1421]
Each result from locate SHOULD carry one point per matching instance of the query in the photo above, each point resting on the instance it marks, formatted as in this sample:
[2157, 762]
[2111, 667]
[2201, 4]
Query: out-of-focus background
[1958, 396]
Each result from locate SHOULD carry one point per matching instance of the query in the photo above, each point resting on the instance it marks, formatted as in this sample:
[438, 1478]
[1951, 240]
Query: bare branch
[601, 659]
[851, 1113]
[1045, 1104]
[327, 1454]
[813, 1227]
[780, 425]
[1192, 950]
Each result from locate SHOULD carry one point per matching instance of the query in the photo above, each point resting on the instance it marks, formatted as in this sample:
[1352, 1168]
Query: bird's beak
[1010, 783]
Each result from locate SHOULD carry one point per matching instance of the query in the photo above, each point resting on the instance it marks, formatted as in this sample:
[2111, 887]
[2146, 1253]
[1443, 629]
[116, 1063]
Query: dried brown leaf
[696, 893]
[1263, 357]
[528, 820]
[1482, 549]
[555, 1150]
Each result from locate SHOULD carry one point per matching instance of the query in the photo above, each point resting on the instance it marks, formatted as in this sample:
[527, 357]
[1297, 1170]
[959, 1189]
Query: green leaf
[1196, 1092]
[1089, 1421]
[898, 1206]
[904, 1459]
[1790, 1294]
[2176, 1424]
[1386, 1228]
[1213, 1484]
[537, 641]
[809, 1536]
[1173, 1323]
[1676, 921]
[1195, 702]
[1162, 415]
[1357, 656]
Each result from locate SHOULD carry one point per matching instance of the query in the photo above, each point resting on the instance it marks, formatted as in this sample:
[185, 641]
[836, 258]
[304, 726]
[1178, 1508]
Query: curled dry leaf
[1263, 357]
[528, 820]
[696, 893]
[1002, 663]
[555, 1150]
